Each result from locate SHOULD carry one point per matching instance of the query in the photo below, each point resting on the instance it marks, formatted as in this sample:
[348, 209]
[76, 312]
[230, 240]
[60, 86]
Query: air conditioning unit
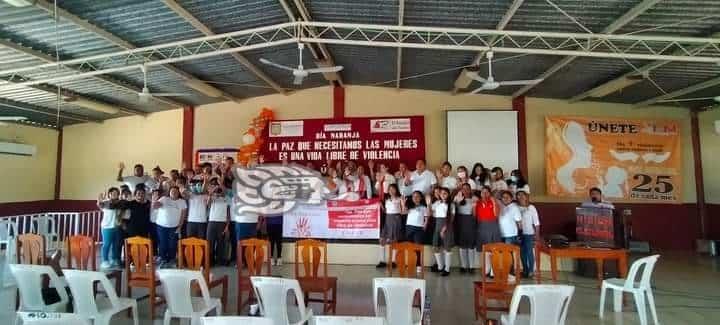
[10, 148]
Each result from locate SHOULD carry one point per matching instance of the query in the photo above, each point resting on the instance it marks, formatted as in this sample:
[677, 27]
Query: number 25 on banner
[653, 187]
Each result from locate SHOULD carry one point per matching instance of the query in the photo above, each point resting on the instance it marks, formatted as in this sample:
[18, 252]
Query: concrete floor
[687, 291]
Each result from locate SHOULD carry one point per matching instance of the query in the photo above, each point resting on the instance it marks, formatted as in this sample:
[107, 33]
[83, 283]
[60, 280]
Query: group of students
[466, 209]
[190, 203]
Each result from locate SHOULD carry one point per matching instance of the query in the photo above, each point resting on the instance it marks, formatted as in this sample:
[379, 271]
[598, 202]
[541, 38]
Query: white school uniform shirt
[405, 190]
[109, 216]
[473, 185]
[467, 208]
[440, 210]
[530, 218]
[392, 205]
[416, 216]
[499, 185]
[218, 209]
[422, 182]
[245, 217]
[132, 181]
[450, 182]
[385, 181]
[197, 209]
[367, 185]
[508, 219]
[169, 213]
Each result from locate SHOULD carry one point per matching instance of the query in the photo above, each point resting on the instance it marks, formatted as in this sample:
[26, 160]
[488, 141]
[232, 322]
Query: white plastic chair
[177, 285]
[399, 296]
[236, 320]
[346, 320]
[101, 309]
[272, 296]
[8, 232]
[548, 305]
[638, 289]
[45, 225]
[8, 291]
[42, 318]
[29, 280]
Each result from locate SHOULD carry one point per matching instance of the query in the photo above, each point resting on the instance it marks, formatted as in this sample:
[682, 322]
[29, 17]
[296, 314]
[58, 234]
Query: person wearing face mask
[516, 181]
[464, 178]
[596, 200]
[197, 209]
[444, 177]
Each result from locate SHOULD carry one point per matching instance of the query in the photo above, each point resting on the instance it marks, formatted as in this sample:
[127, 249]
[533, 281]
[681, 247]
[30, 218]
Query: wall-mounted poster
[629, 160]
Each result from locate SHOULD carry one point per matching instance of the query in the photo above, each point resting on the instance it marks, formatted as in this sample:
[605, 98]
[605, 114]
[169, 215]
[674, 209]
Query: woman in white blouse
[441, 210]
[393, 205]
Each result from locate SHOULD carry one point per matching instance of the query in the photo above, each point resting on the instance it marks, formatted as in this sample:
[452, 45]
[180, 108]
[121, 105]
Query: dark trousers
[414, 234]
[275, 233]
[196, 229]
[167, 242]
[527, 253]
[216, 241]
[244, 230]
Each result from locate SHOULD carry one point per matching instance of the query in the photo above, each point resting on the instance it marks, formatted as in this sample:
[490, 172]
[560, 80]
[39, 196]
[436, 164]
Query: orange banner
[629, 160]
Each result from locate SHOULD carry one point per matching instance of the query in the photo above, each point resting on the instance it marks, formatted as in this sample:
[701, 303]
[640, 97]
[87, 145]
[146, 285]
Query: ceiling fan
[145, 95]
[490, 83]
[300, 72]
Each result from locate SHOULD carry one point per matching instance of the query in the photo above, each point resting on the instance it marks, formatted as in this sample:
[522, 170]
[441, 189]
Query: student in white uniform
[383, 180]
[138, 176]
[402, 178]
[110, 206]
[417, 218]
[466, 227]
[530, 231]
[218, 225]
[464, 178]
[442, 241]
[445, 179]
[197, 209]
[363, 185]
[393, 205]
[172, 211]
[480, 175]
[498, 184]
[509, 219]
[421, 179]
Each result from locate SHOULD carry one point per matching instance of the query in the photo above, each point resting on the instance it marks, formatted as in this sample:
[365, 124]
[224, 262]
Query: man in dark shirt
[139, 222]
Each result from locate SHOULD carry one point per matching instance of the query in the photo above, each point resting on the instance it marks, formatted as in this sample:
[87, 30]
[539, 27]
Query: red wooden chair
[194, 254]
[312, 254]
[504, 258]
[257, 254]
[82, 256]
[140, 270]
[408, 257]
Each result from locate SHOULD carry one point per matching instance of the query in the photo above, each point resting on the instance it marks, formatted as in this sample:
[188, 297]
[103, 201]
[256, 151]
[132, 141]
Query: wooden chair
[82, 253]
[311, 280]
[194, 254]
[31, 249]
[139, 256]
[406, 259]
[257, 253]
[504, 258]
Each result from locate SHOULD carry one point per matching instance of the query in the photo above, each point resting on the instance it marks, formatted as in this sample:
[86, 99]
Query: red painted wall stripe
[519, 106]
[188, 132]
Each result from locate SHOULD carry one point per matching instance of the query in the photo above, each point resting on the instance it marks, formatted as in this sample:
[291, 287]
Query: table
[597, 254]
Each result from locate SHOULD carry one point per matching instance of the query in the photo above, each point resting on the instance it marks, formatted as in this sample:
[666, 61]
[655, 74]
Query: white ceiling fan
[300, 72]
[145, 95]
[490, 83]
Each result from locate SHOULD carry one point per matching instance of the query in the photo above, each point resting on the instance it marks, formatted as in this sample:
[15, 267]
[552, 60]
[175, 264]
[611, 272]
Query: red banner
[383, 139]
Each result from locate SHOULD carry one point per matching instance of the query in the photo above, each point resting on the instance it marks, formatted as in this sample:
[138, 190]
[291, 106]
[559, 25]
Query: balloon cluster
[252, 139]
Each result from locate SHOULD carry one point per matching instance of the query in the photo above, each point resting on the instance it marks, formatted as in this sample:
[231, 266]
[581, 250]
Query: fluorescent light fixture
[204, 88]
[717, 127]
[12, 118]
[93, 105]
[18, 3]
[615, 85]
[463, 81]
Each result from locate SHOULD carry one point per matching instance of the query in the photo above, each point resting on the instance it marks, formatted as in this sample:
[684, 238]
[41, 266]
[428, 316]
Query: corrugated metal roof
[143, 23]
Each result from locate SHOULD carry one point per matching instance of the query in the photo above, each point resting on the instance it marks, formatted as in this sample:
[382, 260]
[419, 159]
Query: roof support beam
[680, 92]
[643, 70]
[192, 20]
[305, 14]
[40, 110]
[50, 8]
[623, 20]
[65, 92]
[398, 64]
[500, 26]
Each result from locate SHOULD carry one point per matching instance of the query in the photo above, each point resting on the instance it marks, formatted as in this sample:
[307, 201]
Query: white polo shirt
[392, 205]
[197, 210]
[508, 219]
[422, 182]
[218, 209]
[132, 181]
[467, 208]
[450, 182]
[169, 213]
[416, 216]
[530, 218]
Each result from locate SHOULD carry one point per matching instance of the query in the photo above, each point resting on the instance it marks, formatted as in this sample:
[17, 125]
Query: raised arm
[121, 167]
[100, 200]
